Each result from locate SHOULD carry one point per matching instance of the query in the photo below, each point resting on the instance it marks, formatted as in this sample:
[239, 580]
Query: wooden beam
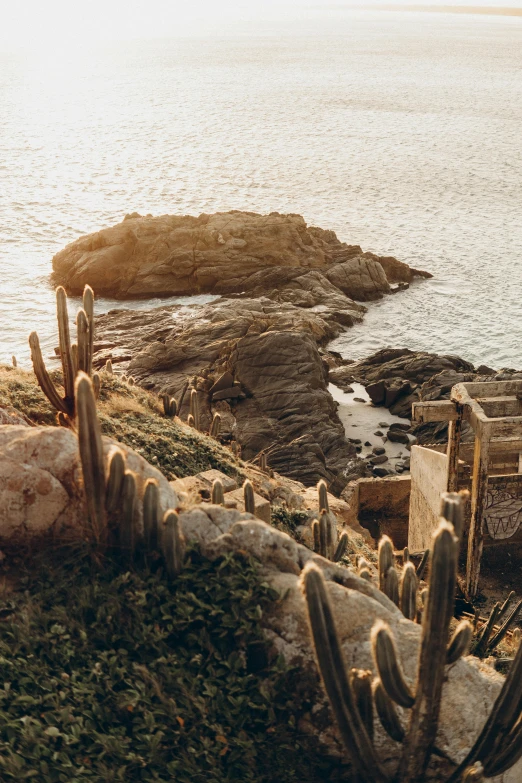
[434, 410]
[454, 433]
[478, 498]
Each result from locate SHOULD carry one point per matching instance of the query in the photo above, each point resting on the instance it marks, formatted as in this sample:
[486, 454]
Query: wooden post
[478, 499]
[454, 433]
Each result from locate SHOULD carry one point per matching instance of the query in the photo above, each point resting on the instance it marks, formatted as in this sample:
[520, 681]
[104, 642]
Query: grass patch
[111, 676]
[133, 417]
[288, 521]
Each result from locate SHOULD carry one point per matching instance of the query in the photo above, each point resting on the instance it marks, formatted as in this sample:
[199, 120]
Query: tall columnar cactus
[194, 409]
[92, 458]
[499, 745]
[151, 512]
[322, 491]
[75, 358]
[215, 427]
[249, 499]
[170, 405]
[218, 495]
[408, 592]
[172, 544]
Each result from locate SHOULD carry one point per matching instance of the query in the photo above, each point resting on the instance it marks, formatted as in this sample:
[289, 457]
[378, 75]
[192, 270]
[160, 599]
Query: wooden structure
[494, 412]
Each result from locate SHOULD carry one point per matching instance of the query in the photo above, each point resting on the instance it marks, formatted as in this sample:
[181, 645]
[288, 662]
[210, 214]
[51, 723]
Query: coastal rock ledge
[225, 253]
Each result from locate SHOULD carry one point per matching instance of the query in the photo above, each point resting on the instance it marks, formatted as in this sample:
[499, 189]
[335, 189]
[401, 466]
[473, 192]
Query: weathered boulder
[269, 349]
[470, 687]
[228, 252]
[41, 482]
[360, 278]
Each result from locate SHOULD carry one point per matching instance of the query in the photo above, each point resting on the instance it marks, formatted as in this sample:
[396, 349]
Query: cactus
[75, 358]
[459, 642]
[115, 480]
[248, 494]
[263, 464]
[91, 456]
[151, 505]
[170, 405]
[14, 362]
[172, 544]
[405, 555]
[218, 495]
[409, 589]
[128, 520]
[190, 421]
[361, 685]
[499, 745]
[108, 367]
[365, 574]
[421, 568]
[194, 409]
[385, 559]
[322, 491]
[215, 427]
[342, 546]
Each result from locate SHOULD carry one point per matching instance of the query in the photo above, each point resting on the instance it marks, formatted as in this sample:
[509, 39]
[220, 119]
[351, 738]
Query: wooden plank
[435, 410]
[454, 434]
[478, 500]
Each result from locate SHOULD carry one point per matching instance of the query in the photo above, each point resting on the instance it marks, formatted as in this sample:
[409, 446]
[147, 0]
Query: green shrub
[110, 676]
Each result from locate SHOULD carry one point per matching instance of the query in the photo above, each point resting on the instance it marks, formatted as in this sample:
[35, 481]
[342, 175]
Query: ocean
[399, 130]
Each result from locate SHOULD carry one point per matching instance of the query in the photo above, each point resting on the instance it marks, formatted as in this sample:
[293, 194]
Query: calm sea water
[401, 131]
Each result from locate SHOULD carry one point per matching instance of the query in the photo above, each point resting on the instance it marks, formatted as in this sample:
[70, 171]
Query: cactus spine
[218, 495]
[91, 456]
[248, 494]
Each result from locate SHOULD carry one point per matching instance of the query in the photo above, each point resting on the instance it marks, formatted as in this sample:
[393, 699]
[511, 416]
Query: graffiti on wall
[503, 509]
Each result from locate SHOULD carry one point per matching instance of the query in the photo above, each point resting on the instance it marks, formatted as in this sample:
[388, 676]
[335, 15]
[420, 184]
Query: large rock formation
[41, 485]
[272, 395]
[228, 252]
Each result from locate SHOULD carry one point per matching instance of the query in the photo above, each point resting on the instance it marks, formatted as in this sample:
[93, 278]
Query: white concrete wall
[429, 477]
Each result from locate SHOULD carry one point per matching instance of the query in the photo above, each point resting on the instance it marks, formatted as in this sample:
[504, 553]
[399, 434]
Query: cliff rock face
[280, 401]
[228, 252]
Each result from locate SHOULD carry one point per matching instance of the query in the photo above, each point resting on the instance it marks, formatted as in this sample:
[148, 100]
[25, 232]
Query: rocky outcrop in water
[228, 252]
[255, 362]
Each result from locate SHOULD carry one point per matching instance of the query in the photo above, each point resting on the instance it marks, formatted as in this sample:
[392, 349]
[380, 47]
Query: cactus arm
[317, 536]
[422, 728]
[335, 680]
[218, 495]
[65, 343]
[386, 560]
[409, 587]
[391, 585]
[503, 718]
[508, 754]
[151, 505]
[323, 535]
[82, 330]
[503, 628]
[322, 491]
[91, 456]
[88, 306]
[387, 662]
[459, 642]
[248, 494]
[361, 685]
[172, 544]
[342, 546]
[387, 712]
[44, 379]
[115, 480]
[128, 515]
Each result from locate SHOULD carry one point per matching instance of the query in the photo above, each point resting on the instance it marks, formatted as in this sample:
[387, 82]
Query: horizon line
[484, 10]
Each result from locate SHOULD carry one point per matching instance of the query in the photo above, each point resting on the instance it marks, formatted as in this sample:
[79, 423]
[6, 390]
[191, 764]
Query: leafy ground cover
[111, 675]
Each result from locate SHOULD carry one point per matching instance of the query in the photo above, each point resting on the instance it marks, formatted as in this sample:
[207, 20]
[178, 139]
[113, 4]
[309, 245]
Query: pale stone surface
[226, 252]
[429, 478]
[41, 482]
[209, 476]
